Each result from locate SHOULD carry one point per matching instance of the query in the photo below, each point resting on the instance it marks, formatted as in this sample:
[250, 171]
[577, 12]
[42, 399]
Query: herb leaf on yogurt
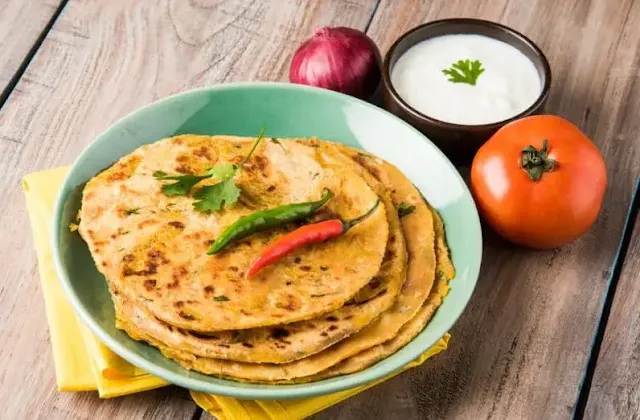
[464, 71]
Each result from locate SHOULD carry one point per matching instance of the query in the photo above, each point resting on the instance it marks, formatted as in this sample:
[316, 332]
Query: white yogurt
[509, 84]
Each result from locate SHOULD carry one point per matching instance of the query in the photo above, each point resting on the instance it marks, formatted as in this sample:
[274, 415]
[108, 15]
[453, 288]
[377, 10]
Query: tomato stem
[535, 162]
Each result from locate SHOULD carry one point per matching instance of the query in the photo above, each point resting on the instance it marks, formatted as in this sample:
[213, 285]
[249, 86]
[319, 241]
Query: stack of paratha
[324, 310]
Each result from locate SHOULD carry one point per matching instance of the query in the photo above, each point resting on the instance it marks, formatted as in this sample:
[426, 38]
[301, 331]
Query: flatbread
[152, 248]
[418, 228]
[366, 358]
[287, 343]
[444, 273]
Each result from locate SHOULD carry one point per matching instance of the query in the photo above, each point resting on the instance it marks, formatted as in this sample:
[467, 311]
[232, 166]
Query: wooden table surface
[525, 346]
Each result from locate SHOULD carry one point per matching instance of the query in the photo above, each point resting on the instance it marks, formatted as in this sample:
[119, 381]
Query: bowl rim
[229, 387]
[542, 97]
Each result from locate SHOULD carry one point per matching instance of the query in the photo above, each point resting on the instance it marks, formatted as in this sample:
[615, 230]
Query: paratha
[152, 248]
[444, 273]
[418, 228]
[290, 342]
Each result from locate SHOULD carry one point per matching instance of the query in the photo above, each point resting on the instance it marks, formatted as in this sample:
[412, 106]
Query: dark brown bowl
[460, 142]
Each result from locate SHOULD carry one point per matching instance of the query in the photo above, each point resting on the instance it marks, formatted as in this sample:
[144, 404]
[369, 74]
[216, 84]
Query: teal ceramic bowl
[286, 110]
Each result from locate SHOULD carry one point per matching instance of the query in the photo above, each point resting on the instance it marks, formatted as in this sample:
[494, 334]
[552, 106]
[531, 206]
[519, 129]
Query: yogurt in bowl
[460, 80]
[466, 79]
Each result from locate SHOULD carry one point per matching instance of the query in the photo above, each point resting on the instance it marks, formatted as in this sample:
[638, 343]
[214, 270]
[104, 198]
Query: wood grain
[615, 391]
[102, 60]
[520, 349]
[166, 403]
[21, 23]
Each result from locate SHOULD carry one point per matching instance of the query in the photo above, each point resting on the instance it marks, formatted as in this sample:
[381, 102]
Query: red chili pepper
[308, 234]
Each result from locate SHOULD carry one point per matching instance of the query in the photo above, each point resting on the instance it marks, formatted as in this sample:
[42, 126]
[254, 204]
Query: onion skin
[340, 59]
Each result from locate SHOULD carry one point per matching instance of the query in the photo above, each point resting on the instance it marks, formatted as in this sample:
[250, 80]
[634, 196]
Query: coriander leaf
[464, 71]
[217, 196]
[223, 171]
[129, 212]
[226, 192]
[183, 183]
[210, 197]
[221, 298]
[405, 209]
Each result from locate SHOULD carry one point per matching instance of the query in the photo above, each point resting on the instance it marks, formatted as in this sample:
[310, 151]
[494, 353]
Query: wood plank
[521, 347]
[101, 61]
[21, 23]
[614, 387]
[167, 403]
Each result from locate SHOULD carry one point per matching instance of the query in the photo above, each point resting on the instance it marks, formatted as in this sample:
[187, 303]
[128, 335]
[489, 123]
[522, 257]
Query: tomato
[536, 197]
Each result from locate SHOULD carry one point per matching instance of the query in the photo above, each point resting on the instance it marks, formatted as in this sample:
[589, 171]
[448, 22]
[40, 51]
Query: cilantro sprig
[183, 183]
[210, 197]
[464, 71]
[218, 196]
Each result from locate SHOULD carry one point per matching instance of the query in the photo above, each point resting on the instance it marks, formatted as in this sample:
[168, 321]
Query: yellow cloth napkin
[83, 363]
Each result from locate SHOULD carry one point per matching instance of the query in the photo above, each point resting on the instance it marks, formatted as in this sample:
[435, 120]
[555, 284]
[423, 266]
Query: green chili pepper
[267, 219]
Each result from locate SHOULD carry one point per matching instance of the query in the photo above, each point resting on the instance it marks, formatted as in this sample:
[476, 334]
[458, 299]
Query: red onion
[341, 59]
